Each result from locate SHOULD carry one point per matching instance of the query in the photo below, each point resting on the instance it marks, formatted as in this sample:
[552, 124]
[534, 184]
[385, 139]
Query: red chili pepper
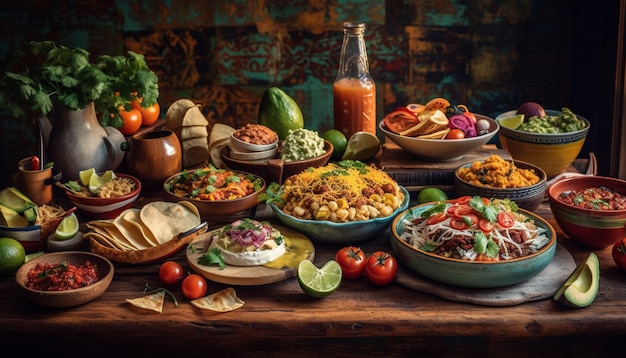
[34, 162]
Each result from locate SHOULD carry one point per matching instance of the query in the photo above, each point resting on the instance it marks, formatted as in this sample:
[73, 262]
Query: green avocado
[279, 112]
[31, 215]
[581, 287]
[13, 198]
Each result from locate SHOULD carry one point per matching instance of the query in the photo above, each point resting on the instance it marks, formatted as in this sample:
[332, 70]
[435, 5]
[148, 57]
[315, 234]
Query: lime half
[319, 282]
[512, 122]
[361, 146]
[68, 227]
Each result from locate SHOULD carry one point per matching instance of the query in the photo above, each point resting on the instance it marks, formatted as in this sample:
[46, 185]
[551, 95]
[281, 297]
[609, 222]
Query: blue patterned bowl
[464, 273]
[340, 233]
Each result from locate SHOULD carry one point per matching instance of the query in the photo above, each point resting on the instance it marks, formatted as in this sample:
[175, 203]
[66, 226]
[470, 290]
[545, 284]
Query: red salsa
[597, 198]
[62, 277]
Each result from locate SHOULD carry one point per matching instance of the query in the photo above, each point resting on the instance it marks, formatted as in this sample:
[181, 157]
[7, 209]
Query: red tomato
[131, 120]
[455, 134]
[485, 225]
[381, 268]
[464, 209]
[352, 261]
[194, 286]
[458, 224]
[619, 254]
[472, 219]
[505, 219]
[460, 200]
[437, 218]
[171, 273]
[148, 115]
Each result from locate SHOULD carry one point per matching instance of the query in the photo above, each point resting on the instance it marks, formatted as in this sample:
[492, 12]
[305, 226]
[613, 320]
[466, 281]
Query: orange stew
[62, 277]
[598, 198]
[213, 184]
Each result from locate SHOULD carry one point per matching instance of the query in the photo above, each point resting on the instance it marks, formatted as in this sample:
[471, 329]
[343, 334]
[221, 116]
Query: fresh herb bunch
[51, 75]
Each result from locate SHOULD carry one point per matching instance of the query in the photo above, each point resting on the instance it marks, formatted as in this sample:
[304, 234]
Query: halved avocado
[581, 287]
[31, 215]
[13, 198]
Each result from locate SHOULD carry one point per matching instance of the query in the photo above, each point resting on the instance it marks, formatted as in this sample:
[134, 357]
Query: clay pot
[154, 156]
[37, 184]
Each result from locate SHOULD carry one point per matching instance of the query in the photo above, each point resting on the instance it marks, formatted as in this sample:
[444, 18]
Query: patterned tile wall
[490, 55]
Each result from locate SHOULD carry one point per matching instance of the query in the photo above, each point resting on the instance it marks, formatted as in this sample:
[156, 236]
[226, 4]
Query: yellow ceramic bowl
[551, 152]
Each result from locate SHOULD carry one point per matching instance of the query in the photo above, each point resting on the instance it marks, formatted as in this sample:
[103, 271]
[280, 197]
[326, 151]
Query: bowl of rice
[113, 197]
[504, 246]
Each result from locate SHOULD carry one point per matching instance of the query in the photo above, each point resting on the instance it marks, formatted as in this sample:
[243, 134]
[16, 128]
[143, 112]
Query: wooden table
[280, 320]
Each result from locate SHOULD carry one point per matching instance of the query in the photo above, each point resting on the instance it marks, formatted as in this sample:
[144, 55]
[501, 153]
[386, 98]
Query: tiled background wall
[491, 55]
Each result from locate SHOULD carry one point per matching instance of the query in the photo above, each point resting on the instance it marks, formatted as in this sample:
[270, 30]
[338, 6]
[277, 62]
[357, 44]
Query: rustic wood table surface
[280, 320]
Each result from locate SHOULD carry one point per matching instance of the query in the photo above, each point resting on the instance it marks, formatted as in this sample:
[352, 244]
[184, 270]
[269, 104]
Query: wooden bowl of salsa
[92, 276]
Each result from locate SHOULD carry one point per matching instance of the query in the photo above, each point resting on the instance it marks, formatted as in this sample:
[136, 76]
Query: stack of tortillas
[185, 119]
[219, 138]
[141, 235]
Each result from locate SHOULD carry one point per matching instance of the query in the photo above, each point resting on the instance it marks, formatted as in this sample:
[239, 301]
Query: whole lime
[12, 255]
[428, 195]
[279, 112]
[338, 140]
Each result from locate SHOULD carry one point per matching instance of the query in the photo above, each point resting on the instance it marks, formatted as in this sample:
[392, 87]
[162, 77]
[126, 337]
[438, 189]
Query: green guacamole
[301, 144]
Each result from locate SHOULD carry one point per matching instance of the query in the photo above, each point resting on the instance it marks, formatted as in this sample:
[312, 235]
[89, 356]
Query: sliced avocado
[581, 287]
[31, 215]
[11, 218]
[13, 198]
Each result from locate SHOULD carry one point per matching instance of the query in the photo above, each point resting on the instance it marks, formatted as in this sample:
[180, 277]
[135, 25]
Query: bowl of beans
[552, 142]
[590, 209]
[497, 178]
[64, 279]
[253, 138]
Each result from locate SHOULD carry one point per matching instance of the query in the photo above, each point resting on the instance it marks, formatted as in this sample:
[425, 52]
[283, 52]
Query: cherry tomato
[131, 120]
[194, 286]
[148, 115]
[458, 224]
[352, 261]
[619, 254]
[485, 225]
[381, 268]
[455, 134]
[460, 200]
[437, 218]
[473, 219]
[171, 273]
[505, 219]
[461, 210]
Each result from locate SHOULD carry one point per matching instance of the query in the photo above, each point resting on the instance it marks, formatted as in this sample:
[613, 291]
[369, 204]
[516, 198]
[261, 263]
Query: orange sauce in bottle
[355, 106]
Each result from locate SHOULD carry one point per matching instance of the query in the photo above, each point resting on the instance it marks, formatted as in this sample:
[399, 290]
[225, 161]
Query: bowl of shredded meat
[590, 210]
[473, 242]
[64, 279]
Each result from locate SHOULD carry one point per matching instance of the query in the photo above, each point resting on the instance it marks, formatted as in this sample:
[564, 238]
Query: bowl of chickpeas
[497, 178]
[590, 210]
[552, 142]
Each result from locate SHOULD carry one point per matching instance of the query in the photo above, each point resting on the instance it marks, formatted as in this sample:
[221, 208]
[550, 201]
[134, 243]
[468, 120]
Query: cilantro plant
[51, 75]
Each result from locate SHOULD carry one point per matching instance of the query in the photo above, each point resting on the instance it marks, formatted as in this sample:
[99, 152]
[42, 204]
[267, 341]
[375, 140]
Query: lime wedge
[95, 182]
[85, 175]
[33, 255]
[68, 227]
[108, 176]
[11, 218]
[361, 146]
[319, 282]
[512, 122]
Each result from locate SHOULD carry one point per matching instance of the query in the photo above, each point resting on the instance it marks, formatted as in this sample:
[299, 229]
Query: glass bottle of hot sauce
[354, 90]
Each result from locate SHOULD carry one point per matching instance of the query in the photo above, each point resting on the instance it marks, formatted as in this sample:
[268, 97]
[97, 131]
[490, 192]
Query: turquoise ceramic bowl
[340, 233]
[596, 229]
[463, 273]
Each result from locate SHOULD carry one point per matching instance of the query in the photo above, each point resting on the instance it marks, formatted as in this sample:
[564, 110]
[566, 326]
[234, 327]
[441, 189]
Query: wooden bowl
[67, 298]
[276, 169]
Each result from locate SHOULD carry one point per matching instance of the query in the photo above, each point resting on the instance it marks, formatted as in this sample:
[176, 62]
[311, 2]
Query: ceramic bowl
[348, 233]
[596, 229]
[528, 198]
[276, 170]
[67, 298]
[33, 237]
[239, 145]
[210, 209]
[551, 152]
[105, 208]
[254, 156]
[473, 274]
[441, 150]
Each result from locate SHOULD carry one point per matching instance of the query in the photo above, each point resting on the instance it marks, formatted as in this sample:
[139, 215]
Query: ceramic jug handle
[275, 170]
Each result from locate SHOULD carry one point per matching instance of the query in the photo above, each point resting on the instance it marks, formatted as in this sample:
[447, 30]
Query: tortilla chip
[437, 135]
[225, 300]
[110, 232]
[153, 302]
[167, 220]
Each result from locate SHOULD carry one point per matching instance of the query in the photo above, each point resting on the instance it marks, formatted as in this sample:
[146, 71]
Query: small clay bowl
[67, 298]
[276, 169]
